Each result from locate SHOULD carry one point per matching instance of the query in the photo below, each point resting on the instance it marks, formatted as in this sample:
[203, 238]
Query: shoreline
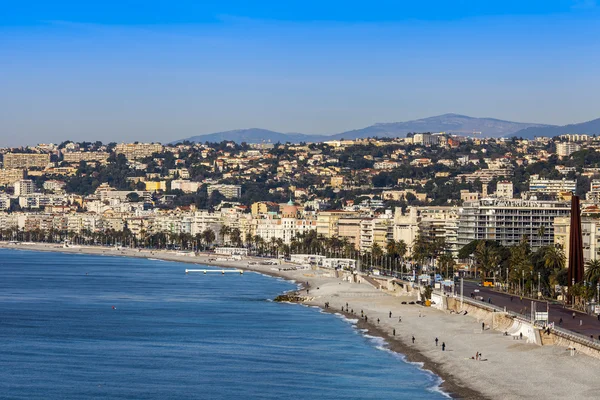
[447, 385]
[510, 368]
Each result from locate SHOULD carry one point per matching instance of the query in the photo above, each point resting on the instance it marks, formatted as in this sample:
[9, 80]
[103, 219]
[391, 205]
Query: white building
[564, 149]
[185, 186]
[509, 220]
[505, 190]
[24, 187]
[229, 191]
[551, 186]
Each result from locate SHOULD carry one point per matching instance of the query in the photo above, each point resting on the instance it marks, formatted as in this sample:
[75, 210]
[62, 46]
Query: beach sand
[512, 370]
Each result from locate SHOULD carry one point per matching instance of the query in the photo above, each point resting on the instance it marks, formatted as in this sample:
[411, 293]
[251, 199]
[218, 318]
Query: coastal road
[590, 325]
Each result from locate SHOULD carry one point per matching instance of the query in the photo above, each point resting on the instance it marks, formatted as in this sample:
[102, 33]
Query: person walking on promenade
[520, 335]
[436, 342]
[573, 314]
[413, 339]
[443, 346]
[482, 326]
[560, 322]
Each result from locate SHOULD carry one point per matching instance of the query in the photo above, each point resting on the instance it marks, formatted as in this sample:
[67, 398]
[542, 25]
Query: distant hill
[449, 123]
[590, 128]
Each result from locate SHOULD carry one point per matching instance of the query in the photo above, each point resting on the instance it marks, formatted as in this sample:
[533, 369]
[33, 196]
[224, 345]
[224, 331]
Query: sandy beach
[510, 370]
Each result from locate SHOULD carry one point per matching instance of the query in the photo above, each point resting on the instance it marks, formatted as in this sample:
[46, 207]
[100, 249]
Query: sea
[76, 326]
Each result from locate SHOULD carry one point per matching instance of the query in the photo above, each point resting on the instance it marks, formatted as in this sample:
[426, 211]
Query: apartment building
[133, 151]
[156, 186]
[25, 160]
[505, 190]
[551, 186]
[564, 149]
[264, 207]
[87, 156]
[375, 231]
[590, 233]
[349, 229]
[509, 220]
[24, 187]
[9, 176]
[327, 221]
[229, 191]
[4, 201]
[185, 186]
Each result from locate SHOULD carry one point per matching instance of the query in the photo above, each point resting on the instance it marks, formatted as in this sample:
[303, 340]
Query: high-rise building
[509, 220]
[564, 149]
[24, 187]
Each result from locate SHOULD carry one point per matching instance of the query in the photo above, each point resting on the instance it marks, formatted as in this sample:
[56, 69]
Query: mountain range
[449, 123]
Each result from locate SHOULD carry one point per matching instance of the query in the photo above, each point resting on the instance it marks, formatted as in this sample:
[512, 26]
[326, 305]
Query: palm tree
[487, 258]
[224, 231]
[446, 261]
[236, 237]
[541, 231]
[554, 258]
[248, 239]
[554, 262]
[592, 272]
[209, 236]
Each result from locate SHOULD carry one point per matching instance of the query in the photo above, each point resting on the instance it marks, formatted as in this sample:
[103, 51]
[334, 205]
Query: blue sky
[157, 70]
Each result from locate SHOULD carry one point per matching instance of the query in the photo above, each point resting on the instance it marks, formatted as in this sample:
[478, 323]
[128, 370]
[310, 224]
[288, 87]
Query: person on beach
[378, 321]
[413, 339]
[390, 314]
[477, 356]
[436, 342]
[394, 332]
[520, 335]
[366, 318]
[482, 326]
[443, 346]
[399, 319]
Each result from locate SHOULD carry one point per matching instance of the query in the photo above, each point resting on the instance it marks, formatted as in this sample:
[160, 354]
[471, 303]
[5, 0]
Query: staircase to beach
[372, 282]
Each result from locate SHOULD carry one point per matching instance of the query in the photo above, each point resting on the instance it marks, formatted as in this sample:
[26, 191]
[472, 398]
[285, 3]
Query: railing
[561, 332]
[576, 337]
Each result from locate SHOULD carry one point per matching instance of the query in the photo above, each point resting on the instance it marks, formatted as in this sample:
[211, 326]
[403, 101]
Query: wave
[352, 321]
[381, 344]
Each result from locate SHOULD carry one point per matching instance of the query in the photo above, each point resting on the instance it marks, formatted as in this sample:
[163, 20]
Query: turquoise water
[178, 336]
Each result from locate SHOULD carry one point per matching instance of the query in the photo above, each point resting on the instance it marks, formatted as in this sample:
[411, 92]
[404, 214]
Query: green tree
[208, 235]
